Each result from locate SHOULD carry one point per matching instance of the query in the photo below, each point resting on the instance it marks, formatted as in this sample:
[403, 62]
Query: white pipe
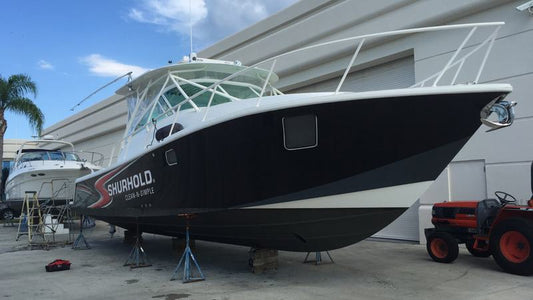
[489, 48]
[349, 65]
[266, 82]
[454, 56]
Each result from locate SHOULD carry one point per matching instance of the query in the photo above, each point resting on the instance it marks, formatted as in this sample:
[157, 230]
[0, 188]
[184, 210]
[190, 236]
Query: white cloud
[106, 67]
[171, 15]
[212, 20]
[43, 64]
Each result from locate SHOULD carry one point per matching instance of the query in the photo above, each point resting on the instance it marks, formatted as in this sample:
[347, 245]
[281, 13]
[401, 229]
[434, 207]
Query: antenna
[101, 88]
[190, 29]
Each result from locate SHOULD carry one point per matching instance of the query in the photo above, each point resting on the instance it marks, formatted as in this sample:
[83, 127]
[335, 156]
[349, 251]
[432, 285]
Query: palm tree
[13, 93]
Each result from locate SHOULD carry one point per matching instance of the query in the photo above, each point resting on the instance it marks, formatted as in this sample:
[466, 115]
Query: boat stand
[9, 222]
[137, 258]
[112, 230]
[318, 258]
[81, 243]
[186, 258]
[87, 222]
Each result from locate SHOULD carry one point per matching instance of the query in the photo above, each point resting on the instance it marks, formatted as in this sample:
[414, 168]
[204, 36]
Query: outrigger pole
[103, 87]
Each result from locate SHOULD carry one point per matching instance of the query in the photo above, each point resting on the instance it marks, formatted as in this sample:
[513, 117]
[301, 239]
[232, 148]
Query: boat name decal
[138, 180]
[104, 199]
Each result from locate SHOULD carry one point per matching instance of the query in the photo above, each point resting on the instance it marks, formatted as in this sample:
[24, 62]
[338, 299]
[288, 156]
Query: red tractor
[489, 227]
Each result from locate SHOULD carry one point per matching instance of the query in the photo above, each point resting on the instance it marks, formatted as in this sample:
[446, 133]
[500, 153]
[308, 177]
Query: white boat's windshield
[48, 155]
[48, 150]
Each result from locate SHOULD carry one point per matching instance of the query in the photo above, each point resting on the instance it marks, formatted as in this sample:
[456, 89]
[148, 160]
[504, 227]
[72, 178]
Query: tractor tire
[511, 245]
[475, 252]
[442, 247]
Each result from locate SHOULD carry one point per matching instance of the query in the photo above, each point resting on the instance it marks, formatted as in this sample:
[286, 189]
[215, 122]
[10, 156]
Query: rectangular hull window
[300, 132]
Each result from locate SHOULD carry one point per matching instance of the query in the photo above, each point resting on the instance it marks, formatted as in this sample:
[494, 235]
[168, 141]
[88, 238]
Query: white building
[11, 146]
[493, 161]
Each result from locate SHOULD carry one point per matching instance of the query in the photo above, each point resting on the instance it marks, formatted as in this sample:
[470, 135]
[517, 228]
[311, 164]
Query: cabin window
[162, 98]
[173, 96]
[158, 111]
[143, 121]
[131, 101]
[31, 156]
[56, 156]
[203, 99]
[171, 158]
[71, 156]
[161, 109]
[300, 132]
[142, 116]
[242, 92]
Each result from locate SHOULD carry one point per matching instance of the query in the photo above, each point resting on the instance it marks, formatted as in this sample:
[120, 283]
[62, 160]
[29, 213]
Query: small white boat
[51, 173]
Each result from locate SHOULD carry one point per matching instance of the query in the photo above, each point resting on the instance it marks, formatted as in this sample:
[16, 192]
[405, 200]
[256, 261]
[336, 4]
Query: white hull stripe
[389, 197]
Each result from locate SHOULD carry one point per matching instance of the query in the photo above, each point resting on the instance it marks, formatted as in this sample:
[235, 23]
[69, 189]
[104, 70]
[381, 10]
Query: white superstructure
[48, 172]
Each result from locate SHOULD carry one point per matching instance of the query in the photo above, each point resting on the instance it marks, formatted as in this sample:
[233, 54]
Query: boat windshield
[183, 87]
[175, 99]
[48, 155]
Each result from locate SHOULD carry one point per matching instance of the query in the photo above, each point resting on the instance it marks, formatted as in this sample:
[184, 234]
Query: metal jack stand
[318, 258]
[87, 222]
[81, 243]
[137, 258]
[186, 258]
[9, 222]
[112, 230]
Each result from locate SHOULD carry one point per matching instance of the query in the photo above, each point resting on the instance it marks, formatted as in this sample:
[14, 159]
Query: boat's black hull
[362, 145]
[283, 229]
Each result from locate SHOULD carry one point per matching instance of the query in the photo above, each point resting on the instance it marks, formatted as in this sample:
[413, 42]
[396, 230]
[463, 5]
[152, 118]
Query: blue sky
[71, 48]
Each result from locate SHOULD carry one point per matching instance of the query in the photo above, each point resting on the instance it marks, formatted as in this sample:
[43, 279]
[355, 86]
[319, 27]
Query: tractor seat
[486, 212]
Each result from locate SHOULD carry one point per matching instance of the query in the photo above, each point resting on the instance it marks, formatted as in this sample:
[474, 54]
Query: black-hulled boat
[298, 172]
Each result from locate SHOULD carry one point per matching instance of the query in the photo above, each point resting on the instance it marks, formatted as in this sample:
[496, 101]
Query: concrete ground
[368, 270]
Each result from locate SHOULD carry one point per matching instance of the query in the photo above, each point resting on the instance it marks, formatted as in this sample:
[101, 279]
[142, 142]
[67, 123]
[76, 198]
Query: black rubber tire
[442, 247]
[524, 260]
[477, 253]
[7, 214]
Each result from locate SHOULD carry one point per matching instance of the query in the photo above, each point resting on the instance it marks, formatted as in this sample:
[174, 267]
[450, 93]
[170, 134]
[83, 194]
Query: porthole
[171, 157]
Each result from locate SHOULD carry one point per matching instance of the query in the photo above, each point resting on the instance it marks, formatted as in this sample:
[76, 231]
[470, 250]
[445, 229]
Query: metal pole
[349, 65]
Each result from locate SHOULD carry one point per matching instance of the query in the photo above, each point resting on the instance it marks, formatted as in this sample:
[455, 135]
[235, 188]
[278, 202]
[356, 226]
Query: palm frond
[20, 84]
[26, 107]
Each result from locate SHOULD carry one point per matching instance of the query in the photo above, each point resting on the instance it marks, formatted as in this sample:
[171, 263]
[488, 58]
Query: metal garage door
[398, 73]
[404, 228]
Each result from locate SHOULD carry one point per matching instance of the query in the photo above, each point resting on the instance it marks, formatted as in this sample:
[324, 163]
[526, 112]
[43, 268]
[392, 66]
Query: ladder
[31, 219]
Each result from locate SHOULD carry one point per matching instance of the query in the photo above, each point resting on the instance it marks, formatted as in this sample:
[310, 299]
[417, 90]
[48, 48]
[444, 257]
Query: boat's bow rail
[94, 158]
[156, 98]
